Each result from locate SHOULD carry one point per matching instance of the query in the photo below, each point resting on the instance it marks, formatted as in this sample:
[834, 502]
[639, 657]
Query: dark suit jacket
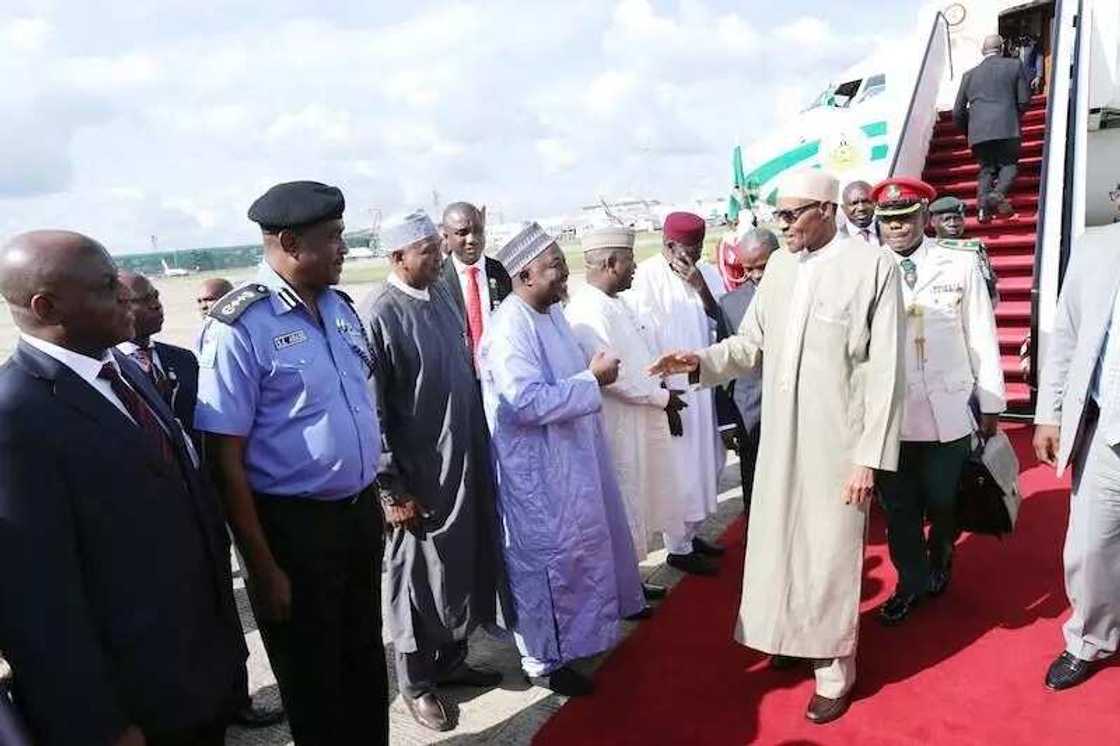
[496, 277]
[991, 97]
[116, 602]
[747, 390]
[181, 366]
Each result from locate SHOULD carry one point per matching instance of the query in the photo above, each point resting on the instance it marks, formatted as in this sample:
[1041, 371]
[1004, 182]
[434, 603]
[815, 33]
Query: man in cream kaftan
[828, 322]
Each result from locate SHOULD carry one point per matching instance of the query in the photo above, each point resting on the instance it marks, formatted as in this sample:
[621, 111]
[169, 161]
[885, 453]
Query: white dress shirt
[483, 285]
[130, 348]
[86, 368]
[407, 289]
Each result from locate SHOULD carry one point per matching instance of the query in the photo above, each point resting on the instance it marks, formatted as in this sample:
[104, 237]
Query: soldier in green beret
[946, 215]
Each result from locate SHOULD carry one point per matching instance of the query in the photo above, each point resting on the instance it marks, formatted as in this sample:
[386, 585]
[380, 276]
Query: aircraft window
[838, 97]
[876, 85]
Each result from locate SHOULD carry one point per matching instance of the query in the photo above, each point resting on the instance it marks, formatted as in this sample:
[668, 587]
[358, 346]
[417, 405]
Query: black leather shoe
[939, 579]
[464, 675]
[897, 608]
[699, 546]
[429, 712]
[565, 681]
[693, 564]
[1066, 672]
[645, 613]
[653, 592]
[258, 716]
[823, 710]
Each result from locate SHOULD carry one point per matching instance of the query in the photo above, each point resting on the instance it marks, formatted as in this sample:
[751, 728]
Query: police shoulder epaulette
[960, 244]
[233, 304]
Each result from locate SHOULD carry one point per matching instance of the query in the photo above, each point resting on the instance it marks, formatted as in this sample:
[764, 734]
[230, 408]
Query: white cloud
[123, 120]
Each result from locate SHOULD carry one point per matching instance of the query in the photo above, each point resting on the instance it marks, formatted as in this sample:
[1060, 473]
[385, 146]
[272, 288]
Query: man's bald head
[993, 44]
[210, 292]
[62, 286]
[463, 228]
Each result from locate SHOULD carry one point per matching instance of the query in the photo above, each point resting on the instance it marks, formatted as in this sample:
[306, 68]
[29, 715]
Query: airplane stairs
[951, 170]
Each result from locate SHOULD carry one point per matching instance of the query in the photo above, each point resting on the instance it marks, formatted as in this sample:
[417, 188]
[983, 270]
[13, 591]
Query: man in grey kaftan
[444, 562]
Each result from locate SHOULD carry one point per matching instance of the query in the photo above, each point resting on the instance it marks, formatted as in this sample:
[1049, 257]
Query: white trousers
[835, 677]
[1092, 551]
[679, 541]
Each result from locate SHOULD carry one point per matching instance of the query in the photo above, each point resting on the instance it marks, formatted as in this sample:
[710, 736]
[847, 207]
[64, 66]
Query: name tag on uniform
[290, 339]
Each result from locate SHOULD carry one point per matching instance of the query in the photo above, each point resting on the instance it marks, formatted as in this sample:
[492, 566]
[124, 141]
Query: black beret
[946, 205]
[296, 203]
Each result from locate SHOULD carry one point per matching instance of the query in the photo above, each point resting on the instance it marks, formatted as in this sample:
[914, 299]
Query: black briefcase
[985, 504]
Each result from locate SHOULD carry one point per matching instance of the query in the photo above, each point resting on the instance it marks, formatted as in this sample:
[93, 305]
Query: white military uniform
[952, 350]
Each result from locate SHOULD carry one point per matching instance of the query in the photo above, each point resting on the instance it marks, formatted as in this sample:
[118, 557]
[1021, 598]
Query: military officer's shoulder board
[235, 302]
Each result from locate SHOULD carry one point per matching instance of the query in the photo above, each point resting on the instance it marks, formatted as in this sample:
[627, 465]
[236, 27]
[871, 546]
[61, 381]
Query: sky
[125, 120]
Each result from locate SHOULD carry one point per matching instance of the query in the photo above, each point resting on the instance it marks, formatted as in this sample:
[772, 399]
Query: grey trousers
[420, 672]
[1092, 551]
[999, 163]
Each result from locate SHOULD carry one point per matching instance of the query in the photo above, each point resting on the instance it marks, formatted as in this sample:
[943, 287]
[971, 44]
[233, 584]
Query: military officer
[951, 355]
[946, 215]
[294, 439]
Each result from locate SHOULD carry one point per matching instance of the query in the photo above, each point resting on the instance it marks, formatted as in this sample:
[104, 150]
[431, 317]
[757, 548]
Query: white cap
[611, 237]
[813, 184]
[402, 230]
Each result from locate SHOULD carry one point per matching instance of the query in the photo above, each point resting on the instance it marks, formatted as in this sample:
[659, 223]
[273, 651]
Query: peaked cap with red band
[684, 228]
[901, 195]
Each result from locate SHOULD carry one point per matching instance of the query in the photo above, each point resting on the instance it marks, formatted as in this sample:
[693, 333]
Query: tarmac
[508, 715]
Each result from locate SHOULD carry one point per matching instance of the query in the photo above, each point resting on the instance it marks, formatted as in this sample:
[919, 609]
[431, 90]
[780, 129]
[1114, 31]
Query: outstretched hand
[674, 363]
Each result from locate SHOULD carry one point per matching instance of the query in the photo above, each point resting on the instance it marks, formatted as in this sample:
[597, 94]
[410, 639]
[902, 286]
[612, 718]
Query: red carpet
[965, 670]
[951, 169]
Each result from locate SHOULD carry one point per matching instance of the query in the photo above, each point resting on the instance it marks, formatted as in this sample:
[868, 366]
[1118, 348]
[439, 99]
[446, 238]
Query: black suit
[181, 368]
[990, 100]
[116, 603]
[497, 279]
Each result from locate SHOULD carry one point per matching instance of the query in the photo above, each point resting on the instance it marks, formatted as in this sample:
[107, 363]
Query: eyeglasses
[789, 217]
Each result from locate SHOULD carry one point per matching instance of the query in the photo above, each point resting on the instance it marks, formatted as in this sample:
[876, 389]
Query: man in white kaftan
[636, 408]
[671, 294]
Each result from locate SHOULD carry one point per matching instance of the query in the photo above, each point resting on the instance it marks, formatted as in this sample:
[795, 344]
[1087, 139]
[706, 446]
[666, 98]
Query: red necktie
[474, 309]
[141, 413]
[143, 356]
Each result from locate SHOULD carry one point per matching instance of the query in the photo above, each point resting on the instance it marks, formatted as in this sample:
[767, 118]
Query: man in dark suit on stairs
[476, 282]
[991, 98]
[116, 602]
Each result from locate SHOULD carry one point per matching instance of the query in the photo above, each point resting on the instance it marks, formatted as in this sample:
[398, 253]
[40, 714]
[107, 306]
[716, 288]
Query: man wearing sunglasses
[827, 319]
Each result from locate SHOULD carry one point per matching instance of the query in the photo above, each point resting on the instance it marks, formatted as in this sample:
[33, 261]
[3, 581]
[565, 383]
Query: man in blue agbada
[568, 550]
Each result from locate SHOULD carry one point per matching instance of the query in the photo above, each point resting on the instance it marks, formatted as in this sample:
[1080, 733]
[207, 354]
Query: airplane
[169, 271]
[869, 124]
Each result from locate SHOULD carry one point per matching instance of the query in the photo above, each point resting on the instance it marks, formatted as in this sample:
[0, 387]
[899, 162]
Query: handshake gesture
[675, 363]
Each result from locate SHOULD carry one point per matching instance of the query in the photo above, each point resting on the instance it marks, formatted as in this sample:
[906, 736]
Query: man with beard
[567, 543]
[827, 320]
[754, 250]
[671, 293]
[437, 485]
[859, 208]
[293, 439]
[952, 355]
[116, 601]
[637, 409]
[475, 282]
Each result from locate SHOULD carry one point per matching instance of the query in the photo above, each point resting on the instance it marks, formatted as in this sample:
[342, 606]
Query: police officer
[294, 440]
[951, 354]
[946, 215]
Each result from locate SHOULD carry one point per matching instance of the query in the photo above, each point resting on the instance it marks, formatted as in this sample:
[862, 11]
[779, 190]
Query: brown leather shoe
[823, 710]
[429, 712]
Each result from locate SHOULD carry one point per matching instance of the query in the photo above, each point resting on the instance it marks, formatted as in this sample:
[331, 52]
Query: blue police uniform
[294, 389]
